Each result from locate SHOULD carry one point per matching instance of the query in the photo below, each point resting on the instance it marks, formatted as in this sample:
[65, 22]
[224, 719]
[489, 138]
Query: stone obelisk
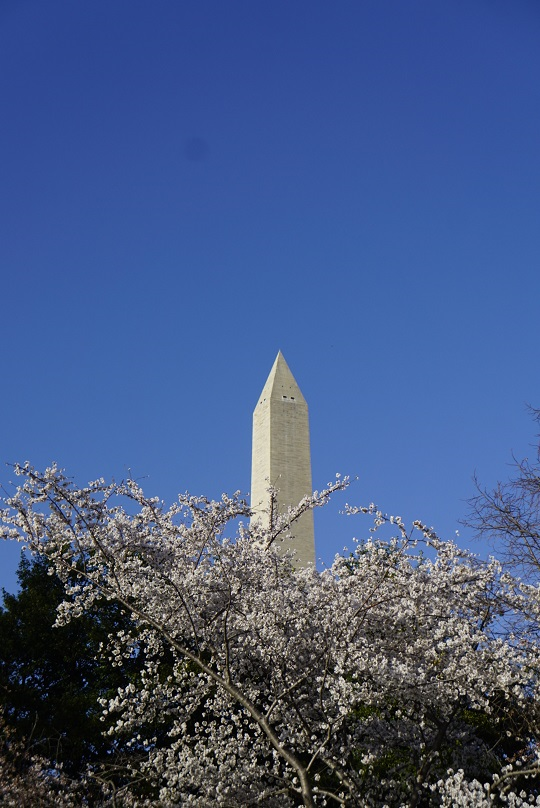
[281, 456]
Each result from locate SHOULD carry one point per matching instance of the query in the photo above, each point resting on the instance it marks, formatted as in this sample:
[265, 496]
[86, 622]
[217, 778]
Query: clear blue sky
[188, 187]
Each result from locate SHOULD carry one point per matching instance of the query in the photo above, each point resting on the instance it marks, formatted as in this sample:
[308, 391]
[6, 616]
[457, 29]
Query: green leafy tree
[27, 780]
[52, 677]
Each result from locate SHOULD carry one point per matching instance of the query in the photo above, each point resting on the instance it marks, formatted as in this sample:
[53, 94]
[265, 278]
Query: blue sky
[187, 188]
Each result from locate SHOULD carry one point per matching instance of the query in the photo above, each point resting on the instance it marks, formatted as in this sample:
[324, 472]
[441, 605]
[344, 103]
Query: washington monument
[281, 456]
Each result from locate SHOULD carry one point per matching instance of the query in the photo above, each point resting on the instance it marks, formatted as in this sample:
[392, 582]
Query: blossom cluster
[396, 677]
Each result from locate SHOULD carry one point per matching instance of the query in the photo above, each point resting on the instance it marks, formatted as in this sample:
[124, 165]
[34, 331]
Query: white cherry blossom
[396, 677]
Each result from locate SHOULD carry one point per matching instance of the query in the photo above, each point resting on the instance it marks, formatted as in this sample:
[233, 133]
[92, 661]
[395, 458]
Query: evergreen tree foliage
[51, 677]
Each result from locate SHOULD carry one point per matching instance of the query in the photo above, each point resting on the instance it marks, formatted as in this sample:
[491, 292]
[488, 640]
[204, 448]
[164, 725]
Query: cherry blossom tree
[396, 677]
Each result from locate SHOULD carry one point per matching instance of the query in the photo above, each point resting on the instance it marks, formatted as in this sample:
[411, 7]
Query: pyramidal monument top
[281, 384]
[281, 456]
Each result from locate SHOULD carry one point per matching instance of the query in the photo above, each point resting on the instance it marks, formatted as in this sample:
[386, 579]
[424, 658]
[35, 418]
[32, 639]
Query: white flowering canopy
[396, 677]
